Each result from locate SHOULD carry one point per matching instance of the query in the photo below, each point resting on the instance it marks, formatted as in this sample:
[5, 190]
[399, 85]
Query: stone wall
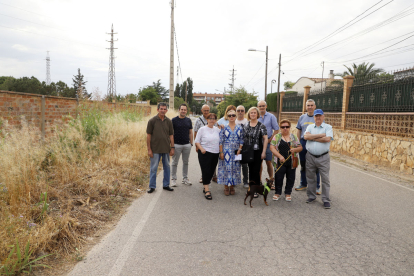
[389, 151]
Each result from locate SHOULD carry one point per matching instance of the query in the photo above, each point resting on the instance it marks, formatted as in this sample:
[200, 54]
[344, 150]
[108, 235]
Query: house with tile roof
[314, 83]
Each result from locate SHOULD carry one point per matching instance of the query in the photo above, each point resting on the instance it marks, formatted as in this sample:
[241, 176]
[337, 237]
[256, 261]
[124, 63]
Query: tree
[149, 94]
[79, 86]
[177, 91]
[239, 96]
[362, 71]
[190, 90]
[161, 90]
[288, 84]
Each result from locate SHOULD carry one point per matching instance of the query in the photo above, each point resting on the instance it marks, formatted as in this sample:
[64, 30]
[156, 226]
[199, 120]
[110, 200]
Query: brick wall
[45, 111]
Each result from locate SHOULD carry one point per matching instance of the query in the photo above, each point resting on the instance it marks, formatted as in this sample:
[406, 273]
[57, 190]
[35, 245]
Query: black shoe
[310, 200]
[150, 191]
[168, 188]
[327, 205]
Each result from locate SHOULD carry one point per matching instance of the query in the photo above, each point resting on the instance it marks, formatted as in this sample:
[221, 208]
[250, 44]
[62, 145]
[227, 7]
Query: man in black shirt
[183, 140]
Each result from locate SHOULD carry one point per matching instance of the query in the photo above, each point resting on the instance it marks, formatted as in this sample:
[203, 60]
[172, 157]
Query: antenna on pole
[48, 80]
[232, 79]
[111, 93]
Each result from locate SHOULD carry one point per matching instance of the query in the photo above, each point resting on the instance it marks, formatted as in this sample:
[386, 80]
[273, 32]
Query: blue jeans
[302, 158]
[154, 167]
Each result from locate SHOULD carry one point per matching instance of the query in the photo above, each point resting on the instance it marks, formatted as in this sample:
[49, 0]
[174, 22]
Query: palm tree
[364, 71]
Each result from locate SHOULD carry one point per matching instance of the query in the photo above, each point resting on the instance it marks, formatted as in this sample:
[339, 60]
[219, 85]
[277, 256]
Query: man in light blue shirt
[318, 136]
[270, 122]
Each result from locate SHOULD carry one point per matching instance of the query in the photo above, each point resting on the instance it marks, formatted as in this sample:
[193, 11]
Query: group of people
[220, 142]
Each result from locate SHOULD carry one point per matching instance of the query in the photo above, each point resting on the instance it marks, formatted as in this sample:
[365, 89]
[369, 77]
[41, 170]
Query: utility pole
[323, 68]
[278, 90]
[232, 79]
[171, 101]
[111, 92]
[266, 73]
[48, 80]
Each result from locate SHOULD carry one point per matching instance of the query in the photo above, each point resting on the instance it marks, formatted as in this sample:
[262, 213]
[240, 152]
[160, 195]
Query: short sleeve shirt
[304, 121]
[160, 131]
[318, 148]
[182, 128]
[270, 122]
[223, 121]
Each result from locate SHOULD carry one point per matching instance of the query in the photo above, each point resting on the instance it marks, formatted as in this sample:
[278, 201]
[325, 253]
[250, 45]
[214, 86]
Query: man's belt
[317, 156]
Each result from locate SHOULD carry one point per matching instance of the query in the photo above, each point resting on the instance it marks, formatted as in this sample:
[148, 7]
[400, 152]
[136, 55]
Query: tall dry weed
[56, 193]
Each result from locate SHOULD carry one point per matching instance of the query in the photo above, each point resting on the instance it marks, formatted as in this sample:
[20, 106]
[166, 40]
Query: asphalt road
[368, 231]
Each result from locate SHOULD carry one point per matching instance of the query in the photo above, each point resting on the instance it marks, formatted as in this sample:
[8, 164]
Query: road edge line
[124, 255]
[396, 184]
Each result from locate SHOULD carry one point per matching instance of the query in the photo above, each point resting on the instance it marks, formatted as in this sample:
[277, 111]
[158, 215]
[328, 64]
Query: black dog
[260, 189]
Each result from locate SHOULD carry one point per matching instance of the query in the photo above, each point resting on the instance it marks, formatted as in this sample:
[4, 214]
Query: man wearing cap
[318, 137]
[304, 121]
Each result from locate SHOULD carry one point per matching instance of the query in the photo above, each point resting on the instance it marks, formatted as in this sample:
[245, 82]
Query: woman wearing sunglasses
[231, 142]
[285, 147]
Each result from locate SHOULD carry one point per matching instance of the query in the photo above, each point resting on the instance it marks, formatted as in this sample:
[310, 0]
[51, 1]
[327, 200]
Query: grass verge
[56, 193]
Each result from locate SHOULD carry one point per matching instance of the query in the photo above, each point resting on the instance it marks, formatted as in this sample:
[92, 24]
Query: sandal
[276, 197]
[256, 195]
[273, 187]
[288, 198]
[204, 190]
[232, 191]
[208, 195]
[226, 190]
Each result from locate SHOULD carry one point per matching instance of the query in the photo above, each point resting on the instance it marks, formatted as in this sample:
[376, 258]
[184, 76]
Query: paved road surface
[368, 231]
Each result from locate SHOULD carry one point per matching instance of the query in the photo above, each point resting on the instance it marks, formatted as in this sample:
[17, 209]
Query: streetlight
[254, 50]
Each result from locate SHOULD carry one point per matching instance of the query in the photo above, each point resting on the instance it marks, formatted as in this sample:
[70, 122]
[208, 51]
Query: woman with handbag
[255, 144]
[231, 142]
[285, 147]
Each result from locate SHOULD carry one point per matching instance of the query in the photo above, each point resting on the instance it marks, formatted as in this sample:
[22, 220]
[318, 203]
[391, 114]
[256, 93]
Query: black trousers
[254, 167]
[290, 179]
[208, 162]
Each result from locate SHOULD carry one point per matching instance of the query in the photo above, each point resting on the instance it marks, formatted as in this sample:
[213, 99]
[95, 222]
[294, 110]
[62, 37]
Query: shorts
[269, 154]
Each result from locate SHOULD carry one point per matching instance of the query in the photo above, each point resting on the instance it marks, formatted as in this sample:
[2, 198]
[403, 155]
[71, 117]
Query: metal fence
[329, 100]
[385, 93]
[292, 103]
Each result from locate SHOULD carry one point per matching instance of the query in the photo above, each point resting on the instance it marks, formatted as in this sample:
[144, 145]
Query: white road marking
[125, 253]
[396, 184]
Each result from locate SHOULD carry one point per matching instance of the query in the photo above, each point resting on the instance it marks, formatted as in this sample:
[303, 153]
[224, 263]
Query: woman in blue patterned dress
[231, 140]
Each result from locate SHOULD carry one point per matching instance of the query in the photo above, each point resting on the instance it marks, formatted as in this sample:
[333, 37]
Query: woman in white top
[207, 143]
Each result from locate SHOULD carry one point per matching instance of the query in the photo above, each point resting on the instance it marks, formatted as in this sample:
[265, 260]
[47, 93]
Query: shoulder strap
[201, 121]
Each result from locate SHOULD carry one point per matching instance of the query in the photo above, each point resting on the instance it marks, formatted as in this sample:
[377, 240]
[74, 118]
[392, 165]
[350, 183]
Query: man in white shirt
[241, 120]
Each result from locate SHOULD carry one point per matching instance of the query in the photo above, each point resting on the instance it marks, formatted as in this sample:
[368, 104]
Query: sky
[212, 37]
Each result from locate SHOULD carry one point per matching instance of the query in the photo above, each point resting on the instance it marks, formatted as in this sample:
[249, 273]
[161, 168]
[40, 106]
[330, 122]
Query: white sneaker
[187, 182]
[173, 183]
[201, 180]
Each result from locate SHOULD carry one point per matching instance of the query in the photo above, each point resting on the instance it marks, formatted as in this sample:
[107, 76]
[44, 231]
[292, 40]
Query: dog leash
[283, 162]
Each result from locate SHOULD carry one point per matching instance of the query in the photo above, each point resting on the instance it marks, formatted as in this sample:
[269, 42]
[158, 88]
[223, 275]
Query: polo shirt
[304, 121]
[160, 131]
[182, 128]
[318, 148]
[270, 122]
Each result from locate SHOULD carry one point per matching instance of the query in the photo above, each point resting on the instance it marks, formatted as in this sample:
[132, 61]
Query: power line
[178, 56]
[256, 73]
[31, 22]
[25, 10]
[341, 29]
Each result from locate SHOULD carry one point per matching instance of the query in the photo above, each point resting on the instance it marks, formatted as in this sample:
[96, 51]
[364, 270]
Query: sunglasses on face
[261, 106]
[231, 115]
[285, 127]
[240, 110]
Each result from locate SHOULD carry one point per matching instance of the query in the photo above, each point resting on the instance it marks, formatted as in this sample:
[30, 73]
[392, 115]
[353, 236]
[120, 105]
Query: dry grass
[86, 172]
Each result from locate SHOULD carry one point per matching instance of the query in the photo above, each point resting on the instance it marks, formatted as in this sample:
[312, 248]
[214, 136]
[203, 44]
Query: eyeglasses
[240, 110]
[285, 127]
[211, 118]
[231, 115]
[261, 106]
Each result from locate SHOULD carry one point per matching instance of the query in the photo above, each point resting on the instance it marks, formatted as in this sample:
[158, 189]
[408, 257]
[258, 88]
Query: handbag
[247, 153]
[295, 162]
